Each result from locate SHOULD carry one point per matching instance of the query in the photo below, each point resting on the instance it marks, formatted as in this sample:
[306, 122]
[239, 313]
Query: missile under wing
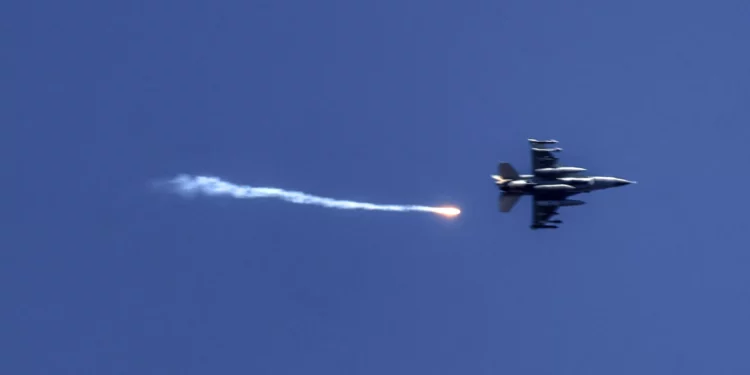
[542, 142]
[543, 158]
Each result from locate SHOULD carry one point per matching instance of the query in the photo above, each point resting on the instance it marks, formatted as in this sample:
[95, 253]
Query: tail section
[508, 200]
[507, 172]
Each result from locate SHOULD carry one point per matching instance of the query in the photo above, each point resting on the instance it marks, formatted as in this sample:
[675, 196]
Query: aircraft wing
[540, 214]
[543, 213]
[543, 158]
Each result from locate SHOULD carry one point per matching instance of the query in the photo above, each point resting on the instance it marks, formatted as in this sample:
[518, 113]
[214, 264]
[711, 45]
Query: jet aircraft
[550, 185]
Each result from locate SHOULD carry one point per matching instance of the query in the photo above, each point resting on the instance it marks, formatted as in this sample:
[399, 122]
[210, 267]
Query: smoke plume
[214, 186]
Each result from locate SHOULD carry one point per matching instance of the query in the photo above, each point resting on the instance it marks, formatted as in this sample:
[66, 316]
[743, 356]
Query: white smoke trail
[214, 186]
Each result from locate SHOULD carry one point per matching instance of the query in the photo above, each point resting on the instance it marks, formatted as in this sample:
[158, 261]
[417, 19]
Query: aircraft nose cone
[622, 182]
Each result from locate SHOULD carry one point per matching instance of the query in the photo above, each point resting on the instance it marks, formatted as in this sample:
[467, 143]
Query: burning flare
[448, 211]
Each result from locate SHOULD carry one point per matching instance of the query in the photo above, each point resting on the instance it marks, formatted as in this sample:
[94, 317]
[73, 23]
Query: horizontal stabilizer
[507, 172]
[508, 200]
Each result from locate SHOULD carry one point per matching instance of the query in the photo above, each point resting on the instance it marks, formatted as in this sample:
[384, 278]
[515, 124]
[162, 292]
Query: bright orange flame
[448, 211]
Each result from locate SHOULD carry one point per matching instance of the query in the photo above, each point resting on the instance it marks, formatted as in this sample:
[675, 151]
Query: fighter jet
[550, 185]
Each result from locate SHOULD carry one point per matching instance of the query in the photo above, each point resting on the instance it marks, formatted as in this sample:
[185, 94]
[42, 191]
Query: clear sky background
[393, 101]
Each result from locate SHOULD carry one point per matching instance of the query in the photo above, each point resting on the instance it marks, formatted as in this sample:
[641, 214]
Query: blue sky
[403, 102]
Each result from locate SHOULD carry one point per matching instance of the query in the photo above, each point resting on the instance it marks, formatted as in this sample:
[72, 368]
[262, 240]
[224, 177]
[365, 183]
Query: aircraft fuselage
[567, 185]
